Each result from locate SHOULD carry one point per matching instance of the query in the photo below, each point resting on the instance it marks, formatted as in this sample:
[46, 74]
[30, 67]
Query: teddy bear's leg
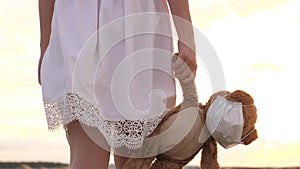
[138, 163]
[209, 158]
[158, 164]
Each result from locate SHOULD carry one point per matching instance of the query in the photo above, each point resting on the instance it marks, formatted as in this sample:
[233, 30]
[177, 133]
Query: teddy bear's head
[249, 112]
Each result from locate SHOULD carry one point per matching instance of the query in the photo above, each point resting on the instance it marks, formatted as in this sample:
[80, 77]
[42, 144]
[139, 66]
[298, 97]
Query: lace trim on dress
[118, 133]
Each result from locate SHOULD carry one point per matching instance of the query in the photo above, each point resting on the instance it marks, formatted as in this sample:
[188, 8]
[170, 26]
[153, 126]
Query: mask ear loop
[234, 103]
[250, 132]
[246, 135]
[224, 96]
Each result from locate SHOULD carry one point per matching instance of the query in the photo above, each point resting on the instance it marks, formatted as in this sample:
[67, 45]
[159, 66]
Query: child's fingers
[181, 69]
[177, 64]
[189, 79]
[185, 74]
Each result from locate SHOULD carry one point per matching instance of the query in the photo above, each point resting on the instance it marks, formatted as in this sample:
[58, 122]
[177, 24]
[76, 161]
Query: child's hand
[185, 66]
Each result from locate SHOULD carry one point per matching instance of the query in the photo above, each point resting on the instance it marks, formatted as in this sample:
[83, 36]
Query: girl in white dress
[106, 65]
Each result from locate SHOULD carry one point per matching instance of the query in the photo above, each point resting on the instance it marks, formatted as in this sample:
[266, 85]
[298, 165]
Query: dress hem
[118, 133]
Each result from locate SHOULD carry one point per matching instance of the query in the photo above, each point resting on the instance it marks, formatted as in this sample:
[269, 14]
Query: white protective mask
[224, 121]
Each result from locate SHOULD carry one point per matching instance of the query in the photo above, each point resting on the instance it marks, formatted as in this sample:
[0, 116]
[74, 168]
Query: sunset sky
[257, 42]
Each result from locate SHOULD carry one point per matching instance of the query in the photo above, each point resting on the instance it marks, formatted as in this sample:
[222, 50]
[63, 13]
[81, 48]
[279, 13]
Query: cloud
[246, 7]
[19, 48]
[265, 67]
[206, 13]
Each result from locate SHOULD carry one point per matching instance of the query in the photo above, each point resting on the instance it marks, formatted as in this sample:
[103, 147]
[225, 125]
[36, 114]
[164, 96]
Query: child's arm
[186, 44]
[46, 8]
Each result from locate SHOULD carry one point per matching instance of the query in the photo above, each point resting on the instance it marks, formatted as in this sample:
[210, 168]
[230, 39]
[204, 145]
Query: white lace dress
[108, 65]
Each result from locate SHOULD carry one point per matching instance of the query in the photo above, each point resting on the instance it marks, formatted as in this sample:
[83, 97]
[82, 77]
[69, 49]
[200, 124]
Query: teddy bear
[174, 153]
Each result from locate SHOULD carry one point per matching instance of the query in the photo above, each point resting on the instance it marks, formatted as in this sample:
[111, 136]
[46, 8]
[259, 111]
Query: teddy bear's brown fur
[209, 159]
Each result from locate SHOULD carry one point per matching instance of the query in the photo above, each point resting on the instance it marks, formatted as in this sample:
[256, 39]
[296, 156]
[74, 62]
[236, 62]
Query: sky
[255, 40]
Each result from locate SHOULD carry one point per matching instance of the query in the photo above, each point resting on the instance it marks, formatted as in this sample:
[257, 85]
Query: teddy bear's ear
[250, 116]
[249, 139]
[240, 96]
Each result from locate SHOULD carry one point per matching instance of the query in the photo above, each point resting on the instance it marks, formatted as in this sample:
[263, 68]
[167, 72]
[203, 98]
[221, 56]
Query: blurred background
[257, 42]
